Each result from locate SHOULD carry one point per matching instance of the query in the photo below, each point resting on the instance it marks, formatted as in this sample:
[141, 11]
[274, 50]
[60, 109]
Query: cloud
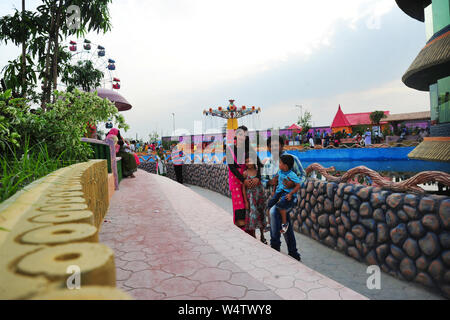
[391, 96]
[181, 45]
[184, 55]
[379, 10]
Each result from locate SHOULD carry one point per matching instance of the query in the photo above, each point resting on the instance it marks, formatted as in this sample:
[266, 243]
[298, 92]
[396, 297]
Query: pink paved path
[171, 243]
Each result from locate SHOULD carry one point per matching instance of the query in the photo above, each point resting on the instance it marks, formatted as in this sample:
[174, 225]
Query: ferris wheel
[95, 55]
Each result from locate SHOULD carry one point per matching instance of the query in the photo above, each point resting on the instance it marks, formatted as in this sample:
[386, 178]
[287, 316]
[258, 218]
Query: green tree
[153, 137]
[94, 17]
[376, 117]
[305, 121]
[42, 31]
[9, 136]
[65, 122]
[19, 29]
[83, 76]
[21, 86]
[361, 129]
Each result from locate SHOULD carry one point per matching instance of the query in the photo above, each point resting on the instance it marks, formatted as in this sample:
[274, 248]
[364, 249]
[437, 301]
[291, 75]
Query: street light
[299, 106]
[173, 114]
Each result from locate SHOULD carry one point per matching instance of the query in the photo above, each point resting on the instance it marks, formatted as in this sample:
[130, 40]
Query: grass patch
[30, 164]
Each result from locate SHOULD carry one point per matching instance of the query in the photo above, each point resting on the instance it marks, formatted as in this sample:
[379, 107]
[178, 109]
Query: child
[283, 197]
[254, 202]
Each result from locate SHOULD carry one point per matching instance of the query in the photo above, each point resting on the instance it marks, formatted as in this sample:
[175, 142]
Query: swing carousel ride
[212, 151]
[232, 113]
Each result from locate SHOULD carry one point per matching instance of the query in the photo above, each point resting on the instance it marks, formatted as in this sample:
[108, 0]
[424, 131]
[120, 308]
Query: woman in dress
[255, 203]
[128, 161]
[236, 155]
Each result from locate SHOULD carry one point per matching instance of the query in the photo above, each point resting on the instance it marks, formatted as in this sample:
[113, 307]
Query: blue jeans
[275, 234]
[279, 199]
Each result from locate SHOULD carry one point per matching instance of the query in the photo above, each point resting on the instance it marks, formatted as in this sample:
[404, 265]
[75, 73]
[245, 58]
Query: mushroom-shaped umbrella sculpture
[121, 103]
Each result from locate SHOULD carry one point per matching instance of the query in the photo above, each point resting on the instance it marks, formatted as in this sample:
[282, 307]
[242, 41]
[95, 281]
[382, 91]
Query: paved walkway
[336, 265]
[171, 243]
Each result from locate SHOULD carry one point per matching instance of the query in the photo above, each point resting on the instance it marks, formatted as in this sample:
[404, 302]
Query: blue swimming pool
[378, 159]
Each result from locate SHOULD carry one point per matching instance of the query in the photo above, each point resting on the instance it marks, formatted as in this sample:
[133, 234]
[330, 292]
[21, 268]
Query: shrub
[65, 122]
[8, 112]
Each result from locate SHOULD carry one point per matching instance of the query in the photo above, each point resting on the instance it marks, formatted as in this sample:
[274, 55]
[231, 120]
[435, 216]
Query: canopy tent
[295, 127]
[340, 122]
[120, 102]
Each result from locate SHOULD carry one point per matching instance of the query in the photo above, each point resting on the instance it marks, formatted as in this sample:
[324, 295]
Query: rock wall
[51, 225]
[209, 176]
[407, 235]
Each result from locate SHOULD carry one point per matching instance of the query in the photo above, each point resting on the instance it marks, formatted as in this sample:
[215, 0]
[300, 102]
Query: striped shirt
[177, 157]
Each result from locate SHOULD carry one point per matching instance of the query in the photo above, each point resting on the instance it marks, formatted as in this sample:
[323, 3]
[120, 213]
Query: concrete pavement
[171, 243]
[336, 265]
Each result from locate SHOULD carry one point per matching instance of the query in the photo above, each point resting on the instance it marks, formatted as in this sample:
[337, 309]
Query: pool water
[405, 165]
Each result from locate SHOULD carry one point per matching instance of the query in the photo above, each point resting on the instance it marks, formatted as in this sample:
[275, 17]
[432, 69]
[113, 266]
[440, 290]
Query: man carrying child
[270, 179]
[284, 198]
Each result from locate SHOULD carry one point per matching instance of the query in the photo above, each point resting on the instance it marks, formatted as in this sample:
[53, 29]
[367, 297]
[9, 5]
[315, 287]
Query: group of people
[334, 138]
[282, 174]
[249, 180]
[321, 138]
[150, 147]
[123, 149]
[420, 132]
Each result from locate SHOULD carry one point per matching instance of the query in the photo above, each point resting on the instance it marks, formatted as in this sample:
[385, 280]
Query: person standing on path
[310, 138]
[178, 161]
[161, 162]
[235, 157]
[269, 179]
[368, 137]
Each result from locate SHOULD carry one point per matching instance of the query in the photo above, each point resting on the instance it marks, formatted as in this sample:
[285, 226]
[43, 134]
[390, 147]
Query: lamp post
[173, 114]
[299, 106]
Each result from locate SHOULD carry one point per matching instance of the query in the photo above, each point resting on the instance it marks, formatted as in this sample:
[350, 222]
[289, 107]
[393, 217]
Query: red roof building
[295, 127]
[347, 121]
[340, 120]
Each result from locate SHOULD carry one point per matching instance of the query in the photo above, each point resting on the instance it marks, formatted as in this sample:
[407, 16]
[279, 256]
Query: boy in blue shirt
[282, 196]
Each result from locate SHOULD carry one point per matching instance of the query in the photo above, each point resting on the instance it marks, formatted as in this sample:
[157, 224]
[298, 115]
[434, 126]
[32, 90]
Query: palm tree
[376, 117]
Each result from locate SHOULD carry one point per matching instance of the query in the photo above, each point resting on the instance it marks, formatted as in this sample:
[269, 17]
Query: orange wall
[347, 129]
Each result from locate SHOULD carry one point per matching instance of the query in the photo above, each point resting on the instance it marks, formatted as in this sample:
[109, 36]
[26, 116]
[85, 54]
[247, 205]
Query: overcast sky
[184, 56]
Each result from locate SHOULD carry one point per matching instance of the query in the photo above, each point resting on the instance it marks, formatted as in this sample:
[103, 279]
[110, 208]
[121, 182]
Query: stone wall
[53, 224]
[209, 176]
[407, 235]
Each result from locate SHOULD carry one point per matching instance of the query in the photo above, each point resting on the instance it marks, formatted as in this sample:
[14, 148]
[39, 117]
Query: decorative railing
[49, 230]
[409, 185]
[112, 149]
